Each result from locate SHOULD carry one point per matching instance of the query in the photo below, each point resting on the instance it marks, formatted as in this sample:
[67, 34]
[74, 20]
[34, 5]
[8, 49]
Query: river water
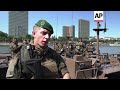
[103, 49]
[4, 49]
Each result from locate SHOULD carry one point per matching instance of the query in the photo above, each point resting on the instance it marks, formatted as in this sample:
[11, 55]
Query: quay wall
[2, 43]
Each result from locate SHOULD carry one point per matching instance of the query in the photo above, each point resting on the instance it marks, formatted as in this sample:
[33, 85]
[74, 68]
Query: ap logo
[98, 16]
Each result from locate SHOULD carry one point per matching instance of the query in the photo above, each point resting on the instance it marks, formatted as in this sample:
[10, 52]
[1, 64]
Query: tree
[28, 36]
[3, 36]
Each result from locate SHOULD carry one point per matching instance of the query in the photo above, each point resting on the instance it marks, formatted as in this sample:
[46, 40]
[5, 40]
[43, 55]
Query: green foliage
[2, 34]
[5, 38]
[28, 36]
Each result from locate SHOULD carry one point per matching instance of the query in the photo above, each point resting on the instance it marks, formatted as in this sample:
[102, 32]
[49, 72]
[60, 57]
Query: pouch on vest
[25, 56]
[30, 64]
[34, 67]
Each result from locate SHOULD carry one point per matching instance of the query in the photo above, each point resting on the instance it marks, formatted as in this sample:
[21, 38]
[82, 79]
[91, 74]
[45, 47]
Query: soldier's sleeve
[15, 48]
[12, 47]
[62, 67]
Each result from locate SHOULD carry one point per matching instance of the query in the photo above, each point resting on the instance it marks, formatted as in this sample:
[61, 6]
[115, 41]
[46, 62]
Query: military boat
[106, 67]
[4, 60]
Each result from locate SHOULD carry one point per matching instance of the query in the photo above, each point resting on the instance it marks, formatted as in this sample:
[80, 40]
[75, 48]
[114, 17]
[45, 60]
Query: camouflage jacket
[14, 49]
[51, 65]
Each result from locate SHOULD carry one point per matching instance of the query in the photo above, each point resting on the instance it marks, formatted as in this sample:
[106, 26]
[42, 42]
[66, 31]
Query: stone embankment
[2, 43]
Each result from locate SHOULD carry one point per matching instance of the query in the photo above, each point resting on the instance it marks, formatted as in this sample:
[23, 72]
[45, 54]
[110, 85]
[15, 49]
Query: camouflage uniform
[56, 47]
[52, 65]
[71, 51]
[79, 47]
[38, 63]
[90, 49]
[15, 50]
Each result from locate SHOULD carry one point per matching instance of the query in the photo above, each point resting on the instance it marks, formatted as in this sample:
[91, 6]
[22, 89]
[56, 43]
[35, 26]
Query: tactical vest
[30, 65]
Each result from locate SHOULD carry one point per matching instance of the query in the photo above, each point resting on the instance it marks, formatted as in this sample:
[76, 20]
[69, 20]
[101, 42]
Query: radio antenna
[105, 22]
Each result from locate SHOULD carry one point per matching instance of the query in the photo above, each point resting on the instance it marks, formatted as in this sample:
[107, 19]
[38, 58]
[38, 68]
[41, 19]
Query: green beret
[45, 24]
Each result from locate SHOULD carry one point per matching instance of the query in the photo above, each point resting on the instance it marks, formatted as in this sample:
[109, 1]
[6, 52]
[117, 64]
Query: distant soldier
[31, 42]
[71, 51]
[90, 49]
[14, 47]
[56, 47]
[25, 42]
[28, 41]
[80, 46]
[63, 48]
[15, 50]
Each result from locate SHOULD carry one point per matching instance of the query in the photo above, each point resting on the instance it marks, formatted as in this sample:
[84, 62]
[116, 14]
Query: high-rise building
[69, 31]
[65, 31]
[18, 23]
[84, 29]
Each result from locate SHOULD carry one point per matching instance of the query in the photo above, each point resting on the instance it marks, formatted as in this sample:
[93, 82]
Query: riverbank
[3, 43]
[6, 43]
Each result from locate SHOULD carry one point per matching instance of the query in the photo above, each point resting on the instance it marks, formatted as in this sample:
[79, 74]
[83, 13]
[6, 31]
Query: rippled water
[4, 49]
[110, 49]
[103, 49]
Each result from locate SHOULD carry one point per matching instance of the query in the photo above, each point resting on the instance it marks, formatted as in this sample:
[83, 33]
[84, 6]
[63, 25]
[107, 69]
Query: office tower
[69, 31]
[18, 23]
[84, 29]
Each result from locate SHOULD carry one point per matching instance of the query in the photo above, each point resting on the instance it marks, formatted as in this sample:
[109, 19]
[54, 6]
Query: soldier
[80, 46]
[71, 51]
[15, 49]
[25, 42]
[56, 47]
[62, 48]
[31, 42]
[90, 49]
[40, 61]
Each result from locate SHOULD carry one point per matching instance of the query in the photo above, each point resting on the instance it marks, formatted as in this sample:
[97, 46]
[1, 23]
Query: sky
[58, 19]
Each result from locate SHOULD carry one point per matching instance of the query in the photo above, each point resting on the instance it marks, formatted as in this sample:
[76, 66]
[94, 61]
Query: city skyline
[68, 18]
